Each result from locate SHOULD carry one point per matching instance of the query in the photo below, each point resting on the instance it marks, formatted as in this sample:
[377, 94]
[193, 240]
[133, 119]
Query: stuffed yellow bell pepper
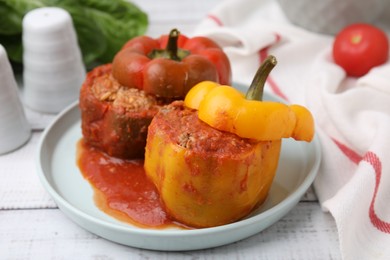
[216, 172]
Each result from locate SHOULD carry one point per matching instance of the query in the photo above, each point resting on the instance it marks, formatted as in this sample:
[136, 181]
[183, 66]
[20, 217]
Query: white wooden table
[32, 227]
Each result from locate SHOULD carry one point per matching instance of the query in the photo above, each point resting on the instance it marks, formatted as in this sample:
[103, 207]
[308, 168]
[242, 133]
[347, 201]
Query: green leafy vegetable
[102, 26]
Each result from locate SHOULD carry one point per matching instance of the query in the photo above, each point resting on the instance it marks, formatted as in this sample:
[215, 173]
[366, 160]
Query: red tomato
[360, 47]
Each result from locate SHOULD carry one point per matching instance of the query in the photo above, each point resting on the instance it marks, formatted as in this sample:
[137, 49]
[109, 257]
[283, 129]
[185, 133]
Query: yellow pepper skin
[199, 91]
[207, 189]
[213, 156]
[226, 109]
[304, 127]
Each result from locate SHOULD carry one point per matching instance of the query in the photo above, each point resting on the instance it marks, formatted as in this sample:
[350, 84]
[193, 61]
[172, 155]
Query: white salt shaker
[14, 127]
[53, 68]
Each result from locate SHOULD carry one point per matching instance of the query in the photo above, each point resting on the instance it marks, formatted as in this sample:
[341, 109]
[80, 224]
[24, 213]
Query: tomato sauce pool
[122, 189]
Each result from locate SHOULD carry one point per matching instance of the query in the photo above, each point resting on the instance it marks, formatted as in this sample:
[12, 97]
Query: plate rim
[289, 202]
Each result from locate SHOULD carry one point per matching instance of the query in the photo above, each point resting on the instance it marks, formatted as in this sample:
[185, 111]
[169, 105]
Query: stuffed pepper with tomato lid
[214, 155]
[119, 100]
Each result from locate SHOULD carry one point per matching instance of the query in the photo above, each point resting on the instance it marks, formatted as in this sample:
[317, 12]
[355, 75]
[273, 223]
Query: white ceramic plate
[298, 166]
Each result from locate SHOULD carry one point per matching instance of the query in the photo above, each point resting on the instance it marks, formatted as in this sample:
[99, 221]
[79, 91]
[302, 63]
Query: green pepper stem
[172, 50]
[172, 44]
[256, 89]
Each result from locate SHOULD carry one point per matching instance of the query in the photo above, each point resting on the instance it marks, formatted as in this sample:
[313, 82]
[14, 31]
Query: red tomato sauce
[122, 189]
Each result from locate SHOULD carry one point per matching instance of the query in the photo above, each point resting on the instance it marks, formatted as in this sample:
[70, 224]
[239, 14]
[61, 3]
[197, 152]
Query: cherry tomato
[360, 47]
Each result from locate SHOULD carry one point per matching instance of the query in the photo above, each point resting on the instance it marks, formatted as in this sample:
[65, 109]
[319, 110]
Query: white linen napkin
[352, 114]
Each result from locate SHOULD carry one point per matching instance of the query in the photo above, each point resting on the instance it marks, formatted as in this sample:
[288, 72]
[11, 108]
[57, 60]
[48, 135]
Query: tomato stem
[256, 89]
[356, 39]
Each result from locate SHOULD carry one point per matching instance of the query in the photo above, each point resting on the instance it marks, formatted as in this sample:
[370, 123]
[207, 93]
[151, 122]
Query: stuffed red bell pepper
[114, 118]
[119, 100]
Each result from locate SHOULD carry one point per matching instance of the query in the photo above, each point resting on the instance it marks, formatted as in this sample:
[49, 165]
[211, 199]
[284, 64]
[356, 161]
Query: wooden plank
[305, 233]
[38, 121]
[20, 187]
